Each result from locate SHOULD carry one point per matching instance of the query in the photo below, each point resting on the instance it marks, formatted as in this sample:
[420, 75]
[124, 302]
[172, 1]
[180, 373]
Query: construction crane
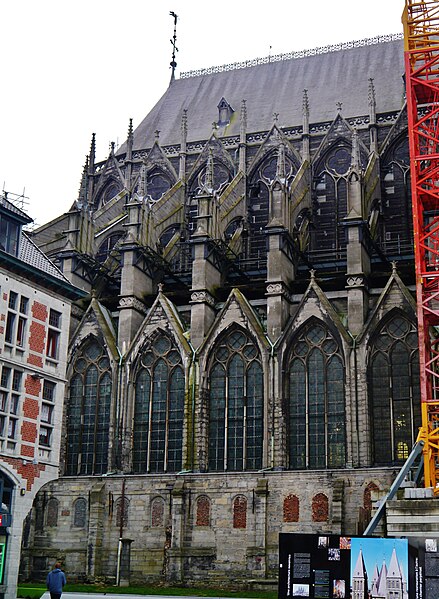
[421, 40]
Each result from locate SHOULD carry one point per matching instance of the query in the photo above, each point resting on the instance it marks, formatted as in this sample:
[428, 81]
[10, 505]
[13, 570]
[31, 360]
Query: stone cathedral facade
[246, 361]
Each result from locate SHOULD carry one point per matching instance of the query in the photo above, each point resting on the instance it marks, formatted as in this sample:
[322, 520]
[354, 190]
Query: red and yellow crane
[421, 39]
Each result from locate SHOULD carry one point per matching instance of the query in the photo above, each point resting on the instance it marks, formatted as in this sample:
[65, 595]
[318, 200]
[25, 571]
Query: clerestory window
[159, 408]
[236, 405]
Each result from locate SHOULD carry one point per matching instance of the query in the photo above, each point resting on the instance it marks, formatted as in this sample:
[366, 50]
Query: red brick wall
[29, 431]
[320, 508]
[37, 337]
[367, 496]
[203, 511]
[39, 311]
[31, 408]
[291, 508]
[28, 471]
[240, 512]
[32, 386]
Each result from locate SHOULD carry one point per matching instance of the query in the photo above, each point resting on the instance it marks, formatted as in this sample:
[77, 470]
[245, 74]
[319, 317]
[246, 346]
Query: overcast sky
[73, 67]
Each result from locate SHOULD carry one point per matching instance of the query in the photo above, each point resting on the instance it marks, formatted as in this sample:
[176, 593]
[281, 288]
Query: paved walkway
[120, 596]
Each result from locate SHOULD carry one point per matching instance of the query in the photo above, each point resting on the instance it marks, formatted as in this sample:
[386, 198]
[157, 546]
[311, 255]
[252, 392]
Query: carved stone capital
[355, 281]
[132, 303]
[274, 289]
[202, 297]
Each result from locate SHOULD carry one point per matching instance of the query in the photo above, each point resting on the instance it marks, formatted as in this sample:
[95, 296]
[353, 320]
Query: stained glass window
[79, 513]
[88, 413]
[52, 512]
[236, 405]
[316, 403]
[159, 408]
[394, 390]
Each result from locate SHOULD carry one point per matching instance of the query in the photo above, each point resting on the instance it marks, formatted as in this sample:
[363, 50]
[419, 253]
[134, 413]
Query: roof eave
[62, 287]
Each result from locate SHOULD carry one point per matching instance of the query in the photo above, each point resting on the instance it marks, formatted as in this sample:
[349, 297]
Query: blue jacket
[55, 581]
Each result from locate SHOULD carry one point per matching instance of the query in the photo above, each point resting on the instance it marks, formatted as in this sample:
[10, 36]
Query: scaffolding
[421, 39]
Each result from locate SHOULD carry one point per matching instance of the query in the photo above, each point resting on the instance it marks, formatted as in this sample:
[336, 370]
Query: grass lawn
[34, 590]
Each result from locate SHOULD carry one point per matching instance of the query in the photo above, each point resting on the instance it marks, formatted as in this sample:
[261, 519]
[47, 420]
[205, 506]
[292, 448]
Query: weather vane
[174, 47]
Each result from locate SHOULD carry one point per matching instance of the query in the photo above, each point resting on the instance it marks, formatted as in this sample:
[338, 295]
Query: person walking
[55, 581]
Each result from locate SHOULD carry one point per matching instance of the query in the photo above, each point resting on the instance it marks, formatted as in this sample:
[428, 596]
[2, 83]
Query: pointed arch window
[331, 198]
[159, 408]
[88, 412]
[316, 402]
[236, 404]
[396, 224]
[394, 390]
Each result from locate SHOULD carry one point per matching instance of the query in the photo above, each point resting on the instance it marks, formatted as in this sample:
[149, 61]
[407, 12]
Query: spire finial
[184, 122]
[371, 94]
[339, 106]
[141, 187]
[173, 63]
[92, 154]
[312, 273]
[157, 135]
[394, 263]
[280, 166]
[305, 103]
[208, 180]
[243, 127]
[130, 140]
[81, 202]
[275, 116]
[355, 157]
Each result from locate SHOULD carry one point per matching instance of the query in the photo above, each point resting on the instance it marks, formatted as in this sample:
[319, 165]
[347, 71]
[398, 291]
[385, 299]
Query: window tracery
[394, 390]
[79, 513]
[159, 408]
[236, 404]
[396, 226]
[330, 198]
[316, 402]
[88, 412]
[107, 246]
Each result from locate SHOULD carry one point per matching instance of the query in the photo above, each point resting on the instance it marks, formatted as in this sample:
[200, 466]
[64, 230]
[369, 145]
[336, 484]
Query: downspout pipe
[272, 346]
[192, 373]
[357, 417]
[119, 411]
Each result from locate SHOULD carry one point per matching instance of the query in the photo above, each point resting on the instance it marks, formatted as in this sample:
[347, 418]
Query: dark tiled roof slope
[331, 77]
[32, 255]
[5, 203]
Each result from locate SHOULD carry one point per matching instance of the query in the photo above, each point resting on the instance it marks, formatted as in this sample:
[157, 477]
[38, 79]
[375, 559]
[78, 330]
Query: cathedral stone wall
[246, 361]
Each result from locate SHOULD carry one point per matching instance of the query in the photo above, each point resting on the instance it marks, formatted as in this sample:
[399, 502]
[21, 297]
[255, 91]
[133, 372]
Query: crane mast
[421, 41]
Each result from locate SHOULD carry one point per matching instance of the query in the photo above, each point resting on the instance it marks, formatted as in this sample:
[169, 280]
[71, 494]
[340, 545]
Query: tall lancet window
[236, 404]
[88, 412]
[330, 197]
[316, 400]
[394, 390]
[159, 408]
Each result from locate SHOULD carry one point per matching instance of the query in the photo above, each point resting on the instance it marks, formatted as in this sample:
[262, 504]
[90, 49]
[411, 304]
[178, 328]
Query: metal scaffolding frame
[421, 39]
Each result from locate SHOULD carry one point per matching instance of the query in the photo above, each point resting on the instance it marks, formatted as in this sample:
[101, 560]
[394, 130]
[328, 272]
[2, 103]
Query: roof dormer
[225, 112]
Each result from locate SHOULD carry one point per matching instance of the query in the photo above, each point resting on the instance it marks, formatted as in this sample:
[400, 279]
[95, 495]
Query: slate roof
[33, 256]
[9, 206]
[337, 76]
